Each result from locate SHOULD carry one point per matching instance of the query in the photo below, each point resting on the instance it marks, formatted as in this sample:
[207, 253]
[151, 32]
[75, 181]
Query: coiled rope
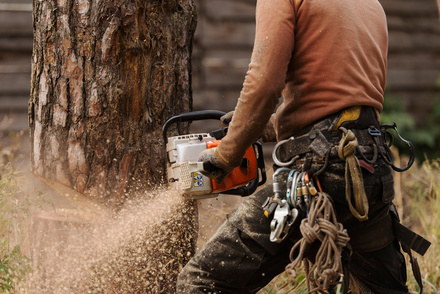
[320, 225]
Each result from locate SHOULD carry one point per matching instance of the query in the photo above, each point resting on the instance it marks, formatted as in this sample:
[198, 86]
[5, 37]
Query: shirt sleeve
[265, 78]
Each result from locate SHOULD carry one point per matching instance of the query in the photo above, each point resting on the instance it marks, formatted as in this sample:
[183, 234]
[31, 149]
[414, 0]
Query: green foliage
[13, 267]
[285, 283]
[13, 264]
[425, 137]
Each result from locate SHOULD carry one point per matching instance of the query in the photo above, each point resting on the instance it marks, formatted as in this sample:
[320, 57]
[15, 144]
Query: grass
[421, 213]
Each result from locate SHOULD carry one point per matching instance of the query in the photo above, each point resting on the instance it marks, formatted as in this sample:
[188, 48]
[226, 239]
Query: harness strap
[415, 267]
[322, 143]
[410, 240]
[353, 171]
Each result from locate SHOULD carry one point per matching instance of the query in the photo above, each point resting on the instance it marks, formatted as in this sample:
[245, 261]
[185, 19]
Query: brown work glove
[215, 167]
[226, 119]
[268, 134]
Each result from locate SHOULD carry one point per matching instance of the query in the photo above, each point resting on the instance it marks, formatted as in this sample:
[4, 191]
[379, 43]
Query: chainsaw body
[184, 171]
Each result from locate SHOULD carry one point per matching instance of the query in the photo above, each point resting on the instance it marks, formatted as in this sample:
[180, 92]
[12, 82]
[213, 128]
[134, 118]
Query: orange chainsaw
[184, 171]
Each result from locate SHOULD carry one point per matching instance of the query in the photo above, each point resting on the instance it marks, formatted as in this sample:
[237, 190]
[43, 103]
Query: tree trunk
[438, 5]
[106, 75]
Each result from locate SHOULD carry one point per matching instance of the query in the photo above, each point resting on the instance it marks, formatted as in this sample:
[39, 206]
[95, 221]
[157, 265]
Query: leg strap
[410, 240]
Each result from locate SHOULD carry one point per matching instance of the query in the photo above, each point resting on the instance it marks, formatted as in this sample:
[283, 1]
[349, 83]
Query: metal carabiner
[282, 220]
[275, 158]
[272, 202]
[410, 145]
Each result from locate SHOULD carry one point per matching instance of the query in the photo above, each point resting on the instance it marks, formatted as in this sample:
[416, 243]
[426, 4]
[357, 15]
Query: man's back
[339, 60]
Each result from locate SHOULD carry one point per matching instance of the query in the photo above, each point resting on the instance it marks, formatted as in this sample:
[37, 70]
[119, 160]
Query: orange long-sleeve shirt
[320, 55]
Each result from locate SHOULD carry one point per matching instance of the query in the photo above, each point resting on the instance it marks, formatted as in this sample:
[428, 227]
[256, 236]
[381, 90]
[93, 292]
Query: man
[328, 59]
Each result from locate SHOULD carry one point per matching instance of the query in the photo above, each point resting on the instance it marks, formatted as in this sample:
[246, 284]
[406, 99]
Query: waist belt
[325, 143]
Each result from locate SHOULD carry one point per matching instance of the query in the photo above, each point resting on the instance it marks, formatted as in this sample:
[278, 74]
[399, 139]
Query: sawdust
[140, 249]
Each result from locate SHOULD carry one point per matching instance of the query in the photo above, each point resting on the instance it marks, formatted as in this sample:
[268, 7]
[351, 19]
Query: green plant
[14, 265]
[284, 283]
[424, 136]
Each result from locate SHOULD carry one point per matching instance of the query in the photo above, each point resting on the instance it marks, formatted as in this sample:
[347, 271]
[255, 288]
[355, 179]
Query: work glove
[226, 119]
[215, 168]
[268, 134]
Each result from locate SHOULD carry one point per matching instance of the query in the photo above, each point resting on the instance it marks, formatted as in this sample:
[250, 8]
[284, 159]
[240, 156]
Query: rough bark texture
[106, 75]
[438, 5]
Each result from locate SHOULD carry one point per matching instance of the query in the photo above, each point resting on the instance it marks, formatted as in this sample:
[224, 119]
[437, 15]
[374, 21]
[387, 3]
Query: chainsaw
[184, 171]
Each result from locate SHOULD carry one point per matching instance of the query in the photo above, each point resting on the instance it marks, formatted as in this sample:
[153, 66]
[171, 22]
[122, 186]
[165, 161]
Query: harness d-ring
[274, 154]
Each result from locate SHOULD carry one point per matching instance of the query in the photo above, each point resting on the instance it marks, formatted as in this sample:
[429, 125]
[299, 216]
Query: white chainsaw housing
[183, 167]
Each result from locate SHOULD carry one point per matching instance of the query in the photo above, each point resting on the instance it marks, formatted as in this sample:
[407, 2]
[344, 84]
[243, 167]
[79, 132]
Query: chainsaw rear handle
[209, 167]
[191, 116]
[252, 186]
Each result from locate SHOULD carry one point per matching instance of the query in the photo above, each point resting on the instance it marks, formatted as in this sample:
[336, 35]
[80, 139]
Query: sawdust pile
[140, 249]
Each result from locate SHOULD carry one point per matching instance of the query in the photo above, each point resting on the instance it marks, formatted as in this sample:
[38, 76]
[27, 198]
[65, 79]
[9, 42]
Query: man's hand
[214, 167]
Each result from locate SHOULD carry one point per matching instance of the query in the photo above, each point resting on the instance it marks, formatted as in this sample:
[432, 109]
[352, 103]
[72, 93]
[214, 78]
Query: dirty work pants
[239, 258]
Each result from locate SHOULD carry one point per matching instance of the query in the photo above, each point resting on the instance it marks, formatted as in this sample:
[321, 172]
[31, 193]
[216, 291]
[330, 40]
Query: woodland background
[221, 52]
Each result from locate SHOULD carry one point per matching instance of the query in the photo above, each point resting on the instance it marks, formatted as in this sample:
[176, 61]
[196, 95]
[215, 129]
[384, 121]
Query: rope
[346, 149]
[320, 225]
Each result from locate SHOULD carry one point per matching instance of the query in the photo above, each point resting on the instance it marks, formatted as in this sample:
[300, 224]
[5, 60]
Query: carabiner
[410, 145]
[275, 158]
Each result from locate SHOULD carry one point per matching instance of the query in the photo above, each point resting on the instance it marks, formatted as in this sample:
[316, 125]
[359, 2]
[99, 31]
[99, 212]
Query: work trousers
[239, 258]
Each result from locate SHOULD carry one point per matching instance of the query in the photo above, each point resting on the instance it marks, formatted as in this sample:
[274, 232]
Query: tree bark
[106, 75]
[438, 5]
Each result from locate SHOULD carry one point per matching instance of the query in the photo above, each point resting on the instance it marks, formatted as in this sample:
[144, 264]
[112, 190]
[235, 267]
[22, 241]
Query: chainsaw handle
[208, 166]
[191, 116]
[252, 186]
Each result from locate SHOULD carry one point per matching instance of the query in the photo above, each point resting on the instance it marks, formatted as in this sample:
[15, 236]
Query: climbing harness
[302, 203]
[305, 202]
